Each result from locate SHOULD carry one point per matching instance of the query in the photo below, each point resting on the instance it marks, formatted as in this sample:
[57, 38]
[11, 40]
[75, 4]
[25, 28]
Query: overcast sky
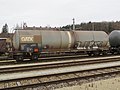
[57, 12]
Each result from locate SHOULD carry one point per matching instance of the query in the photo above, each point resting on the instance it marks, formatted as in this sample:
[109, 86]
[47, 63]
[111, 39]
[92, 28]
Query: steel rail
[21, 68]
[97, 73]
[113, 62]
[41, 72]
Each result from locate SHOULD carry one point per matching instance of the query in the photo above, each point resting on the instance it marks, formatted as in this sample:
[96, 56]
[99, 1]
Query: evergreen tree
[5, 29]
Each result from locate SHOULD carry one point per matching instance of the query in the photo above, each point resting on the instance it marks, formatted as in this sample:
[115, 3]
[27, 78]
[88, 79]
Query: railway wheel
[104, 53]
[34, 57]
[90, 54]
[19, 58]
[96, 53]
[118, 51]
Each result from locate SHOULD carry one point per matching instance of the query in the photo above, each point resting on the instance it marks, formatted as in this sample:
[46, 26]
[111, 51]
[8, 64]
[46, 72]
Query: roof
[6, 35]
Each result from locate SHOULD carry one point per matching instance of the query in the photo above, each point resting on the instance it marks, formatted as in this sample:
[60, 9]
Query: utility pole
[93, 26]
[73, 24]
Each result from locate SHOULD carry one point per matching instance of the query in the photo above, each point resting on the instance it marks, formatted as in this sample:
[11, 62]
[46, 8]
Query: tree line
[95, 26]
[91, 26]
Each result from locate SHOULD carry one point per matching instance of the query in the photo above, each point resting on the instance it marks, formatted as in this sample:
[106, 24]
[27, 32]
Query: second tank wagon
[91, 39]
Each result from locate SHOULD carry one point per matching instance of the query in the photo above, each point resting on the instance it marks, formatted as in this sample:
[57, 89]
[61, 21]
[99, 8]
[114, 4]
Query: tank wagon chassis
[33, 44]
[19, 56]
[32, 54]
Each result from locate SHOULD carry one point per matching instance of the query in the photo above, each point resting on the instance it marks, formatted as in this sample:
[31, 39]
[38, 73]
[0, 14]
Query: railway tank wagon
[92, 42]
[33, 42]
[114, 40]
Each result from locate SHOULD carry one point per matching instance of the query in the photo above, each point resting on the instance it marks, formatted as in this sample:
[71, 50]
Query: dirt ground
[109, 84]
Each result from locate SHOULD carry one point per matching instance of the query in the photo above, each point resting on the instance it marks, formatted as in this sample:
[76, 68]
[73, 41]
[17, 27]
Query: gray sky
[57, 12]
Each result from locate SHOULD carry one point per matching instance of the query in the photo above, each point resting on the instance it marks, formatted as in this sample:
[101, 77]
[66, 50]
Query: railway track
[7, 61]
[50, 81]
[25, 77]
[57, 64]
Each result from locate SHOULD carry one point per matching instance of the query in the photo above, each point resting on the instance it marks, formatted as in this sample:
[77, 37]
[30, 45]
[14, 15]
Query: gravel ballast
[108, 84]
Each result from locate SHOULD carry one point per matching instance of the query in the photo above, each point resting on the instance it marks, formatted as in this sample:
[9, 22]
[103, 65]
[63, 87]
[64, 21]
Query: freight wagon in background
[114, 40]
[5, 42]
[34, 43]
